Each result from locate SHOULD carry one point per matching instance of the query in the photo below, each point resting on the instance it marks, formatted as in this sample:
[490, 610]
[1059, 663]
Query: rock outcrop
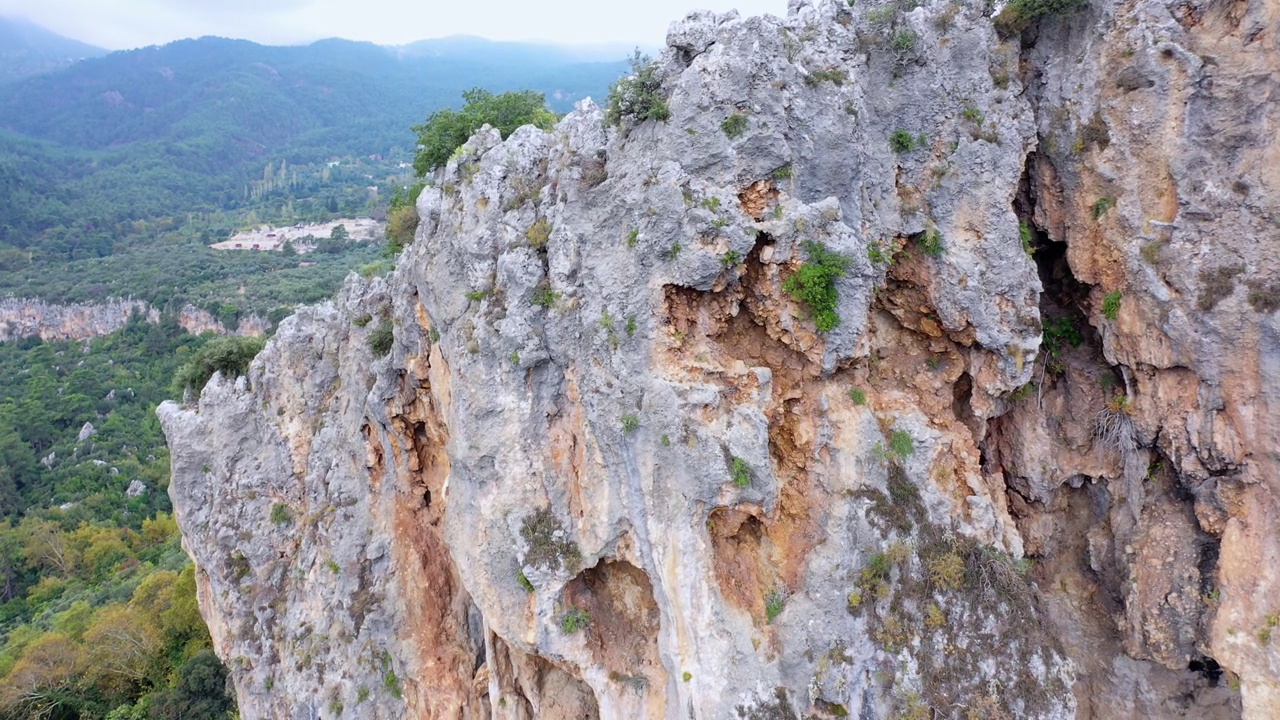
[26, 317]
[608, 466]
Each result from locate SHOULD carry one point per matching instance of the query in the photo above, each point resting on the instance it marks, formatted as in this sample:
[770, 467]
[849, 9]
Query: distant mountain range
[118, 152]
[329, 96]
[27, 49]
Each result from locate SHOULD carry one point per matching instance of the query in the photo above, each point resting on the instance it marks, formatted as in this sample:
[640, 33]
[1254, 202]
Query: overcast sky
[119, 24]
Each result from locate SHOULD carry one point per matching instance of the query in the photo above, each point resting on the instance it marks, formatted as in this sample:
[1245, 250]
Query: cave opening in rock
[1208, 668]
[622, 621]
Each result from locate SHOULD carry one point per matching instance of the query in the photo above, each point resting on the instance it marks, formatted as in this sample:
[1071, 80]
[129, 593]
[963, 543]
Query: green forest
[117, 172]
[98, 616]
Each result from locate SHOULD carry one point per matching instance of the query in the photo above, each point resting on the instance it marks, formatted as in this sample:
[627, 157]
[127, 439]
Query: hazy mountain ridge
[113, 154]
[27, 49]
[277, 91]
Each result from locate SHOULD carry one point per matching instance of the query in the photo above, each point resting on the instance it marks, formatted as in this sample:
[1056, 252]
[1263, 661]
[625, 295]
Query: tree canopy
[445, 131]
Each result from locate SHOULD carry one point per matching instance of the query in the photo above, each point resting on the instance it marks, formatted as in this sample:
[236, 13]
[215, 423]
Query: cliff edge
[584, 453]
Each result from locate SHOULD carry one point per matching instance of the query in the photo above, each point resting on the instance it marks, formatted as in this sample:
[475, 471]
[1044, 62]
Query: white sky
[119, 24]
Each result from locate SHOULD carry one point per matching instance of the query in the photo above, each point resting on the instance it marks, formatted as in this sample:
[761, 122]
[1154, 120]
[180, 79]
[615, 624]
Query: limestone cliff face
[609, 468]
[26, 317]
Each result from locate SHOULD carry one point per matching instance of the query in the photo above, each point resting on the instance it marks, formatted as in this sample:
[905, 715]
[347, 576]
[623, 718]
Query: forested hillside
[115, 167]
[97, 599]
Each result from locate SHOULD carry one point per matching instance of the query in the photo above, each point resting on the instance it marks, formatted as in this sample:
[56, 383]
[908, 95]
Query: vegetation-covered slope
[97, 598]
[146, 156]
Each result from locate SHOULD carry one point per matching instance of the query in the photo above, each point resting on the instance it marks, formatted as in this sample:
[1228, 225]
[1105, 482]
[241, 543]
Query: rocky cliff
[609, 466]
[26, 317]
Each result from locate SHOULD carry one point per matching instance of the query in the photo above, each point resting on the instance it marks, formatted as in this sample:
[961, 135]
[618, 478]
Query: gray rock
[620, 473]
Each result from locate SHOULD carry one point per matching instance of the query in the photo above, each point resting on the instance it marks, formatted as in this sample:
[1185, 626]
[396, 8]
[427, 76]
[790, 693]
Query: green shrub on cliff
[637, 96]
[228, 355]
[447, 130]
[1020, 14]
[814, 284]
[381, 339]
[402, 217]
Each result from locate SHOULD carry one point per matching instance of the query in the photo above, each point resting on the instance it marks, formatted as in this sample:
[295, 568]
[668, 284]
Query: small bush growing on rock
[1057, 334]
[834, 76]
[945, 19]
[402, 217]
[859, 396]
[1020, 14]
[538, 234]
[741, 473]
[1022, 393]
[280, 514]
[901, 443]
[637, 96]
[1264, 296]
[931, 243]
[934, 618]
[1216, 284]
[380, 340]
[902, 141]
[630, 423]
[575, 620]
[548, 543]
[1024, 233]
[731, 258]
[1111, 305]
[1264, 635]
[524, 582]
[376, 268]
[734, 125]
[363, 320]
[389, 678]
[229, 355]
[814, 284]
[1101, 206]
[946, 571]
[774, 605]
[544, 297]
[878, 253]
[903, 42]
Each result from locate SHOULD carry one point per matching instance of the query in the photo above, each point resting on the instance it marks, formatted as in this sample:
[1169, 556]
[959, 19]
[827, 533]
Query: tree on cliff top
[228, 355]
[446, 131]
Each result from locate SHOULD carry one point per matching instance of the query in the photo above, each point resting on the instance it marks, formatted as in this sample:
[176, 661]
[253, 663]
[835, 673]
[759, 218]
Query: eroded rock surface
[610, 468]
[25, 317]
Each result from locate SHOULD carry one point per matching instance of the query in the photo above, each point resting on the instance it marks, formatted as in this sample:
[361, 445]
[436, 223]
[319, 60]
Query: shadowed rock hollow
[610, 468]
